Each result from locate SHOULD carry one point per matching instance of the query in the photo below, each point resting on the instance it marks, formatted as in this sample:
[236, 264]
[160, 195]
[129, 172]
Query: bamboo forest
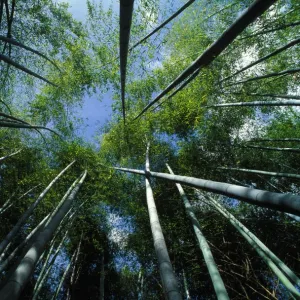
[150, 149]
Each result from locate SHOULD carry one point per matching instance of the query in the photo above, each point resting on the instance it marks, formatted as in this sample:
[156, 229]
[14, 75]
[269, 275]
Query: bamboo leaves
[254, 11]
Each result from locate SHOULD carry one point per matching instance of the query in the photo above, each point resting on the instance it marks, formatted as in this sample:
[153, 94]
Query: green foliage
[183, 130]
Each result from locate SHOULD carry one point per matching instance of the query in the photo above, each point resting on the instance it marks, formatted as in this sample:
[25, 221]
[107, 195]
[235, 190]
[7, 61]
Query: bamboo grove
[190, 190]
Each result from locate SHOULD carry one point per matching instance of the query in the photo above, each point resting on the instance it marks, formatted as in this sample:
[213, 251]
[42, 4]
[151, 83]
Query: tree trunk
[207, 254]
[8, 203]
[72, 279]
[276, 140]
[169, 280]
[277, 174]
[29, 211]
[276, 265]
[3, 210]
[66, 222]
[184, 84]
[43, 275]
[140, 288]
[296, 218]
[21, 275]
[63, 200]
[21, 125]
[282, 202]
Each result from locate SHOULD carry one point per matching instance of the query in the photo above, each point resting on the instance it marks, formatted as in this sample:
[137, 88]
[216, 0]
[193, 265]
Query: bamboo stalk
[207, 254]
[262, 250]
[282, 202]
[126, 9]
[169, 280]
[31, 208]
[17, 281]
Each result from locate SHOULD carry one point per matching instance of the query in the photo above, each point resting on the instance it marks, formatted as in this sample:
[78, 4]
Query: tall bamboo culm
[17, 281]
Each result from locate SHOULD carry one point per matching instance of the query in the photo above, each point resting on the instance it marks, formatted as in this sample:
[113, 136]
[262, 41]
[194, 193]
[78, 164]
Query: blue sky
[95, 113]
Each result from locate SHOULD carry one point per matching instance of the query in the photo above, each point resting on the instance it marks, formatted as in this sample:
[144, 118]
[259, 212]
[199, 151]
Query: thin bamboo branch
[178, 12]
[10, 155]
[295, 150]
[9, 61]
[275, 74]
[277, 174]
[215, 276]
[258, 103]
[16, 43]
[277, 51]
